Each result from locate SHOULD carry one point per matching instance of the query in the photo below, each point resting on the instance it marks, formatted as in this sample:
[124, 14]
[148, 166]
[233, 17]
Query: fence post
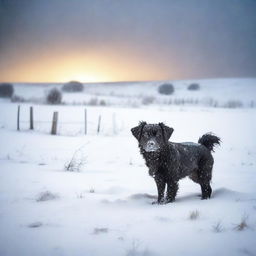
[85, 121]
[31, 119]
[99, 121]
[114, 123]
[18, 118]
[54, 123]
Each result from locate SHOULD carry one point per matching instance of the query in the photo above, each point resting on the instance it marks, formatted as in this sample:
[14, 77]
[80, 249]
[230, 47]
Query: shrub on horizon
[194, 87]
[166, 89]
[6, 90]
[73, 86]
[54, 96]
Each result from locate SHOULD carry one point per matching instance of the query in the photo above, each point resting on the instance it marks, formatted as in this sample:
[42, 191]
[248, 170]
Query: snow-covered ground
[105, 208]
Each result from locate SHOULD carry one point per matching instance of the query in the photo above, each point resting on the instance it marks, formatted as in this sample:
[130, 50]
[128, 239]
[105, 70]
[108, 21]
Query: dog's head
[152, 137]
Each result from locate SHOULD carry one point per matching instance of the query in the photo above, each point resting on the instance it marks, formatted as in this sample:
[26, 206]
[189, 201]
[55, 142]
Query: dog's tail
[209, 140]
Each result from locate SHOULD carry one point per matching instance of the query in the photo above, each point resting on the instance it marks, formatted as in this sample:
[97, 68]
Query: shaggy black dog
[169, 162]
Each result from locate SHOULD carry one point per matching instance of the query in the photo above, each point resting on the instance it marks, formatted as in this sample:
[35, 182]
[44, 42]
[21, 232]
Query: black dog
[169, 162]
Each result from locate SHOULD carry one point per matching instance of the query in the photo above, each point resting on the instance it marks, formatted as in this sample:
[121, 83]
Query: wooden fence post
[18, 118]
[54, 123]
[85, 121]
[114, 123]
[99, 121]
[31, 119]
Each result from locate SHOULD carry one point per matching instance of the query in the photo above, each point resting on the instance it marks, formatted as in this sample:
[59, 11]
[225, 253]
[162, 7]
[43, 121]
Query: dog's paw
[162, 201]
[169, 200]
[205, 197]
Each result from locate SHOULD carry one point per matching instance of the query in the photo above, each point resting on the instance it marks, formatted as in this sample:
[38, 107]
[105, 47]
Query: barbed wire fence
[55, 124]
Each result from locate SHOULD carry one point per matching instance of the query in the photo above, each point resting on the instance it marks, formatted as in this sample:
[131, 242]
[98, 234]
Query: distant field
[212, 92]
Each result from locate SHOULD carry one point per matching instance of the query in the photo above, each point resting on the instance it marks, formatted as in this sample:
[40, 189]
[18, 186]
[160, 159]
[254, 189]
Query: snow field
[105, 208]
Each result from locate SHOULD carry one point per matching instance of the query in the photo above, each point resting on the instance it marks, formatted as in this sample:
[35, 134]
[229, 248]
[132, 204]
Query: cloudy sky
[126, 40]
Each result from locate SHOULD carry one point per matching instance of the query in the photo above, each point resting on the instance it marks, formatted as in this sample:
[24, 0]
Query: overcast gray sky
[126, 39]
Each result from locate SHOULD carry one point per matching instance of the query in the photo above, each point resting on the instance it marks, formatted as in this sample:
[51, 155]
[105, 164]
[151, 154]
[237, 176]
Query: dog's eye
[146, 135]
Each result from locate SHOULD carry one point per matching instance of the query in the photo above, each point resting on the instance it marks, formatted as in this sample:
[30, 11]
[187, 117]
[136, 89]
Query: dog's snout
[151, 146]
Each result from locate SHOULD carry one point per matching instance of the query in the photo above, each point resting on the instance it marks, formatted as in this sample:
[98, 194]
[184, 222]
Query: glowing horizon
[106, 41]
[86, 68]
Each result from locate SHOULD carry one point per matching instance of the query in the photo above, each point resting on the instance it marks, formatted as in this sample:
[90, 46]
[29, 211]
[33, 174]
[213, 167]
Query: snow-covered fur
[169, 162]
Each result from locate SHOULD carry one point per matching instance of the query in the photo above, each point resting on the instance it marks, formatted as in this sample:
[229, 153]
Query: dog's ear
[166, 130]
[136, 131]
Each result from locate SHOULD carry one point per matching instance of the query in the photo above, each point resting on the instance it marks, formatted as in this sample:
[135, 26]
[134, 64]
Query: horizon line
[127, 81]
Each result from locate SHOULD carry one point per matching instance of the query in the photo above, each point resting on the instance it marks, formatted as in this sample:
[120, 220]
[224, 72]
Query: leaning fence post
[85, 121]
[18, 118]
[31, 119]
[54, 123]
[99, 121]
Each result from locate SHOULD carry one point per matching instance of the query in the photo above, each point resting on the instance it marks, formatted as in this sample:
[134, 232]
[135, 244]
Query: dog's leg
[205, 176]
[160, 183]
[206, 190]
[172, 188]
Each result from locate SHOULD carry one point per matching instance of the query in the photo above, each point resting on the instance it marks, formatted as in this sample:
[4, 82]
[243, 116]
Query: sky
[126, 40]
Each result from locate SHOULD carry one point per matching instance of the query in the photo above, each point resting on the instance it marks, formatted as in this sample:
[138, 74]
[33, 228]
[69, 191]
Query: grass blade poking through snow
[242, 225]
[77, 161]
[217, 227]
[194, 215]
[46, 196]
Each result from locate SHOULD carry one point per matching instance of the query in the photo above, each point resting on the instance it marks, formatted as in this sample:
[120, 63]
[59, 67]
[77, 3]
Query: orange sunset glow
[85, 68]
[108, 41]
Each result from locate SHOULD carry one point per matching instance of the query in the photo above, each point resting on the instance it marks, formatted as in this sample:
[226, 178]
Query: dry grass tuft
[218, 227]
[76, 162]
[46, 196]
[242, 225]
[194, 215]
[97, 231]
